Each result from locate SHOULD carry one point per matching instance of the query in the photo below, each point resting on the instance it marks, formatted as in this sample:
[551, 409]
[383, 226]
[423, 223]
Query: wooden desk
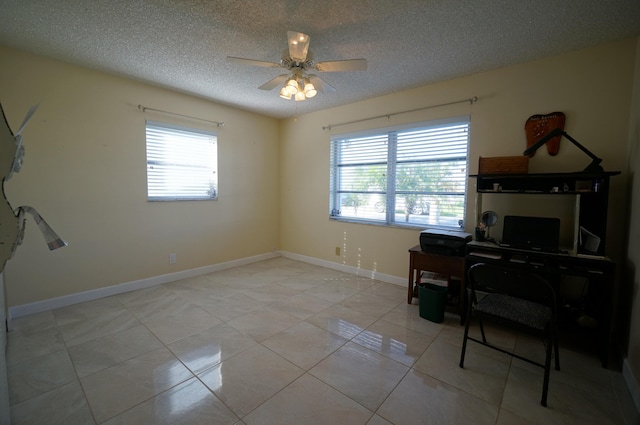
[420, 261]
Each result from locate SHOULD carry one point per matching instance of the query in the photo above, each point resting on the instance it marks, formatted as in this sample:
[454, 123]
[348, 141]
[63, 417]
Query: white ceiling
[183, 44]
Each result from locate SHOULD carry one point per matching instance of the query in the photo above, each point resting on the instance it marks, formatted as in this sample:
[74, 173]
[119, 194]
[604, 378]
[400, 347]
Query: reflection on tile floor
[285, 342]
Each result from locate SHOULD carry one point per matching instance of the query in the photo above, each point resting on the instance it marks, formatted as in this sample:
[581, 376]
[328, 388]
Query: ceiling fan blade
[298, 45]
[342, 65]
[274, 82]
[253, 62]
[321, 85]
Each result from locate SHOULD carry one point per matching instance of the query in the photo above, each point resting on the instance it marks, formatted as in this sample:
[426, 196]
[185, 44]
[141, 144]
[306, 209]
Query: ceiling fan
[298, 60]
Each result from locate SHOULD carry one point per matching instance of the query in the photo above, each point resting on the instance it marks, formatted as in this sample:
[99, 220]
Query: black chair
[515, 298]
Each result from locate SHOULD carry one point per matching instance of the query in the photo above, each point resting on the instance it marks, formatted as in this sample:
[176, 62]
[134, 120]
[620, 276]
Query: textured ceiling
[183, 44]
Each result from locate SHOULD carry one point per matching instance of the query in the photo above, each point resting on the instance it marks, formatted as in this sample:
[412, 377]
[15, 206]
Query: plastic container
[432, 301]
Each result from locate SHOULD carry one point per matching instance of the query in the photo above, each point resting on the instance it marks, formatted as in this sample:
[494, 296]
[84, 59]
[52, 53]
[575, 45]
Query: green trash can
[432, 301]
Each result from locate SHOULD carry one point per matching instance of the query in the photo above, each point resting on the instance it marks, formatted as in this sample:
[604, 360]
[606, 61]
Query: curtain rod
[471, 100]
[145, 109]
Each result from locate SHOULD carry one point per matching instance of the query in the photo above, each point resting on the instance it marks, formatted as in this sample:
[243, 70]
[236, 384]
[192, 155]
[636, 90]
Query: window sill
[408, 226]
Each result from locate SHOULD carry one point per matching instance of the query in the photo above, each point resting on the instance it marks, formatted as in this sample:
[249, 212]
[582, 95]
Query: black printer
[444, 242]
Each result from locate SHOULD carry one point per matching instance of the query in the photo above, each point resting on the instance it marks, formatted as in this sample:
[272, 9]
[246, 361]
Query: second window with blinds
[411, 175]
[182, 163]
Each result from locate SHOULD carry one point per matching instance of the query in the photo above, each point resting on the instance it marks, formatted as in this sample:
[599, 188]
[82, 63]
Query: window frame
[180, 169]
[390, 192]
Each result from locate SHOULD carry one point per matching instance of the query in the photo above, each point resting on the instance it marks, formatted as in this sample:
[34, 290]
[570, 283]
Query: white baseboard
[94, 294]
[632, 383]
[371, 274]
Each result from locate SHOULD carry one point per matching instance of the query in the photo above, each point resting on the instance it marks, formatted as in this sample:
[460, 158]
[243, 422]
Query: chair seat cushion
[524, 312]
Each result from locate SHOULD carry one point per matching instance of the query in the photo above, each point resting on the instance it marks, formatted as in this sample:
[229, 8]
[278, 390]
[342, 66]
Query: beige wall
[85, 172]
[630, 293]
[592, 87]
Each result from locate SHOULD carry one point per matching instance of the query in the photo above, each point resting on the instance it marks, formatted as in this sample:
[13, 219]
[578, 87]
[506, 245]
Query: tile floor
[285, 342]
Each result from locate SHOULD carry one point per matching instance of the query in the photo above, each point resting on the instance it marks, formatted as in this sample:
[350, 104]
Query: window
[181, 163]
[404, 176]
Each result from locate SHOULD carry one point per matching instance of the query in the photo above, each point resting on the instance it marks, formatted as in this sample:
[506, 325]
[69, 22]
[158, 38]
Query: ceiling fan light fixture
[291, 87]
[309, 89]
[299, 87]
[284, 93]
[293, 83]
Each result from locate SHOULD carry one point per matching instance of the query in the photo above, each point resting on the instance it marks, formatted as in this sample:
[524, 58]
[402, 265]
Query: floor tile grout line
[350, 339]
[307, 370]
[75, 370]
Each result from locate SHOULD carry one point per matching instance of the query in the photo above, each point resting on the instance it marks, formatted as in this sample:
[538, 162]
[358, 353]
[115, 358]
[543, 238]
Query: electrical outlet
[338, 251]
[172, 258]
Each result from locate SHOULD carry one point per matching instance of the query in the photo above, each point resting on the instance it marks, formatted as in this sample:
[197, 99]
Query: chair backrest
[513, 282]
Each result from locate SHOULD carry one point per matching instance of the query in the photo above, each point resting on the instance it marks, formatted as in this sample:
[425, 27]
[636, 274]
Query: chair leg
[556, 349]
[484, 337]
[547, 368]
[466, 335]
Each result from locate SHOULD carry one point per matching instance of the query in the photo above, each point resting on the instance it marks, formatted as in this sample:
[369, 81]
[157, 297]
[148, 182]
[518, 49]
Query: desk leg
[462, 302]
[410, 287]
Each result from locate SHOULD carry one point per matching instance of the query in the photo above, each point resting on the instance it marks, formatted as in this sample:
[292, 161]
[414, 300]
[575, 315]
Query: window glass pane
[418, 174]
[364, 206]
[362, 177]
[361, 190]
[181, 163]
[412, 208]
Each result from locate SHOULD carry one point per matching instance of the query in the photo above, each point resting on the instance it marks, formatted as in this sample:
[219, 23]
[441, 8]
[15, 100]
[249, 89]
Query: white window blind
[415, 176]
[181, 163]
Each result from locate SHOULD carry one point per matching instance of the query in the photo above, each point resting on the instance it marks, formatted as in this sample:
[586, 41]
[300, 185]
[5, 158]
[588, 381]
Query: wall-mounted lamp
[593, 167]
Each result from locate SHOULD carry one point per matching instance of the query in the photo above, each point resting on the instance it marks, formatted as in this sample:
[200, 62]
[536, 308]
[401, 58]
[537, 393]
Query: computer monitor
[531, 233]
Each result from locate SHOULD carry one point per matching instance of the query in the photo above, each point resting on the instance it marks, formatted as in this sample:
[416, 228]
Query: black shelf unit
[591, 188]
